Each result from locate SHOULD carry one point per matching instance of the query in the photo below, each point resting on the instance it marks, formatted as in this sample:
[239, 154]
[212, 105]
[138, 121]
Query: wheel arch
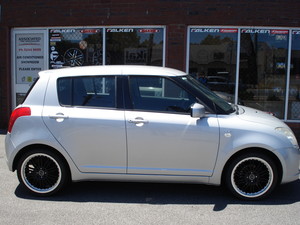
[39, 146]
[266, 152]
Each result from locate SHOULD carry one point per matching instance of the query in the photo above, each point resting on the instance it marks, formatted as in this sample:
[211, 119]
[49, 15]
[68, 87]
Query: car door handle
[58, 116]
[138, 120]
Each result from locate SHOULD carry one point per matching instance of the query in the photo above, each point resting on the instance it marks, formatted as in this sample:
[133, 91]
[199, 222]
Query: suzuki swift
[142, 123]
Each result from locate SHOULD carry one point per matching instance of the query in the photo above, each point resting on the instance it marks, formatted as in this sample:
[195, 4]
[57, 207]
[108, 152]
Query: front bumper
[291, 165]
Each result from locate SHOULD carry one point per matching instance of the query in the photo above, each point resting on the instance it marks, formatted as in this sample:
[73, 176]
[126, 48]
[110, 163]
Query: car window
[219, 104]
[87, 91]
[30, 89]
[159, 94]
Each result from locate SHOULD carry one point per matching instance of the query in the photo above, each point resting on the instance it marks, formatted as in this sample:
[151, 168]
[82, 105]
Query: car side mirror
[197, 110]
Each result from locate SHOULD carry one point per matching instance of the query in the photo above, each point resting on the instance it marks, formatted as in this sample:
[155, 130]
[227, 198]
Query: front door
[162, 137]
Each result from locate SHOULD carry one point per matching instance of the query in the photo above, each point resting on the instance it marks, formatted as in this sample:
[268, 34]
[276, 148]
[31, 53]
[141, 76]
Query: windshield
[218, 101]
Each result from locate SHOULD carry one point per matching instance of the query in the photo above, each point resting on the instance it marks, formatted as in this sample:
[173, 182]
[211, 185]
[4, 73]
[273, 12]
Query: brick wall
[131, 12]
[175, 14]
[5, 83]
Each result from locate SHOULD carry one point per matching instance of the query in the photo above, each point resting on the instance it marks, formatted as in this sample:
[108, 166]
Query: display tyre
[42, 172]
[252, 176]
[73, 57]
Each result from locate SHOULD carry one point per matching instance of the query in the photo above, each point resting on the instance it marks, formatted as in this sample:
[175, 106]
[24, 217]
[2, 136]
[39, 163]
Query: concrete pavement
[2, 151]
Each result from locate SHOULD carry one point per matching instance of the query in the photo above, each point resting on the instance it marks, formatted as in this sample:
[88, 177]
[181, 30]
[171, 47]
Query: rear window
[28, 92]
[96, 91]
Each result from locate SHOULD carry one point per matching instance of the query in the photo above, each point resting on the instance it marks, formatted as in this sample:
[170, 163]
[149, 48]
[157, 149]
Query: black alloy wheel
[252, 176]
[42, 172]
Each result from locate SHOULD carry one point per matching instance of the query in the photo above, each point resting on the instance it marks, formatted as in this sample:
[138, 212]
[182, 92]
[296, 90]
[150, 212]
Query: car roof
[113, 70]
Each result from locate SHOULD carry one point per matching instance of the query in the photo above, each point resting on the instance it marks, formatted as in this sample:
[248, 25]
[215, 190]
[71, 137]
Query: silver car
[142, 123]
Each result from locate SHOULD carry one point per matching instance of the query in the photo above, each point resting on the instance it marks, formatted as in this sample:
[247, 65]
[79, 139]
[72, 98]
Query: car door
[83, 117]
[162, 137]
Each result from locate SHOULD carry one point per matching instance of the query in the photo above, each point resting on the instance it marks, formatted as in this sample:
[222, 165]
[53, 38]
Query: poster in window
[29, 57]
[75, 47]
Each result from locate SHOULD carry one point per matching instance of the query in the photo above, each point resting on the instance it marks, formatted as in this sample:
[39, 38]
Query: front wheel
[251, 176]
[42, 172]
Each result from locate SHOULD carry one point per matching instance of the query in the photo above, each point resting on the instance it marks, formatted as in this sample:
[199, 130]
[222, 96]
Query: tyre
[42, 172]
[251, 176]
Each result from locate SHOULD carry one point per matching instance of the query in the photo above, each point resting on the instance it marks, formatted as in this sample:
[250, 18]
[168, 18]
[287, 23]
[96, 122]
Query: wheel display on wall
[73, 57]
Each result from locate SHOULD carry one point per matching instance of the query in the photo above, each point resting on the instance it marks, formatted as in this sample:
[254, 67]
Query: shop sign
[62, 30]
[279, 32]
[29, 57]
[149, 31]
[214, 30]
[297, 32]
[119, 30]
[264, 31]
[90, 31]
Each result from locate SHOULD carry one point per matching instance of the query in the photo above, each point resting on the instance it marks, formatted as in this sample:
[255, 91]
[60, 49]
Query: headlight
[289, 134]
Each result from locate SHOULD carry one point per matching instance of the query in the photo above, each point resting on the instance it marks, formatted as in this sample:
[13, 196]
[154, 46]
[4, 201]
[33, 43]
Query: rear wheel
[251, 176]
[42, 172]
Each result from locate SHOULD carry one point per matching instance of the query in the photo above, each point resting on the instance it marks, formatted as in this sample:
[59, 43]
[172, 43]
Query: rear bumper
[9, 150]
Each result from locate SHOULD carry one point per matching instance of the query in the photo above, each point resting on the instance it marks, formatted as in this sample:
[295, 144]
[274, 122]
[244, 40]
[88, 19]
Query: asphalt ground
[142, 203]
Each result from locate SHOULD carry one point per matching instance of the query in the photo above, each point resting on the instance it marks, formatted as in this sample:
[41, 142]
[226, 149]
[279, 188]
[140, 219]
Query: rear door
[83, 117]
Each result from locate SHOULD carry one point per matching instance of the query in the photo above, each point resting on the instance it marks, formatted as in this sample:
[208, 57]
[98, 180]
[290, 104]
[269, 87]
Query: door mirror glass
[197, 110]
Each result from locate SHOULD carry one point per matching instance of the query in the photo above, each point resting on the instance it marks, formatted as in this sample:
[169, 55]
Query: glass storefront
[36, 49]
[265, 62]
[257, 67]
[212, 59]
[294, 84]
[75, 47]
[263, 69]
[121, 45]
[135, 46]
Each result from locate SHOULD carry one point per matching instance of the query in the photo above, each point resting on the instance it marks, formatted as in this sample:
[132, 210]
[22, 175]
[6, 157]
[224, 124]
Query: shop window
[263, 67]
[294, 86]
[75, 47]
[142, 46]
[29, 57]
[212, 59]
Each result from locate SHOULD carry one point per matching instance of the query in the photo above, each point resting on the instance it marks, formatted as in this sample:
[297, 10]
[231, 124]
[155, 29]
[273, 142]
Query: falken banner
[214, 30]
[263, 31]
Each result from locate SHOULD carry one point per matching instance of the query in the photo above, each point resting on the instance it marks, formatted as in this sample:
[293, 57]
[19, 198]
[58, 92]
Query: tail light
[19, 112]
